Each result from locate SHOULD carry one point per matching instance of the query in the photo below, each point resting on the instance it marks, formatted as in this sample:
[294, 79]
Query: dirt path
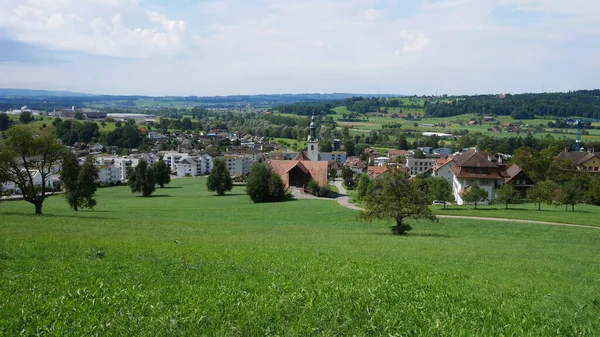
[344, 200]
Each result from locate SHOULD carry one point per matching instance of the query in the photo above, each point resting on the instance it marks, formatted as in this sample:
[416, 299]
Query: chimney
[73, 108]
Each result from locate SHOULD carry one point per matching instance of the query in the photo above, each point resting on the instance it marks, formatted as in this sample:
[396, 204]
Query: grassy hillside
[185, 262]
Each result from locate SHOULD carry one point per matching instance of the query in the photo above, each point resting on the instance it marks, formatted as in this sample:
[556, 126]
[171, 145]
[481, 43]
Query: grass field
[583, 214]
[185, 262]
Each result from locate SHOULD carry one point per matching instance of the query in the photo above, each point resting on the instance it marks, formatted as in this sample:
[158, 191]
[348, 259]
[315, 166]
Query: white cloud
[119, 28]
[239, 46]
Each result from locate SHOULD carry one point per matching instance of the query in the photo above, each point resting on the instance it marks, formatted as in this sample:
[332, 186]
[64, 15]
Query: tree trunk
[539, 206]
[75, 207]
[38, 207]
[573, 208]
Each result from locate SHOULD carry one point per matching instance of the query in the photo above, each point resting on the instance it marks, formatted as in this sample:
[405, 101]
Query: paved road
[344, 200]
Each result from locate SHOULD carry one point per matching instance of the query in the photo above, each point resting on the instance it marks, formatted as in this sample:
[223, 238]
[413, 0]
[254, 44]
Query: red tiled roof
[376, 171]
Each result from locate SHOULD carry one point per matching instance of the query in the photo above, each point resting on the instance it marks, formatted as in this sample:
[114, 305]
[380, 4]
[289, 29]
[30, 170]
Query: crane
[578, 122]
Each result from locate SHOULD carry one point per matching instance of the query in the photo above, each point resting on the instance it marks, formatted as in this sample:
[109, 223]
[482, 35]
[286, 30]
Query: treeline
[583, 103]
[356, 104]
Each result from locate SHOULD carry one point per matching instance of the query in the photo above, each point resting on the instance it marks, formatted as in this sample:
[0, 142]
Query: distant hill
[47, 100]
[10, 92]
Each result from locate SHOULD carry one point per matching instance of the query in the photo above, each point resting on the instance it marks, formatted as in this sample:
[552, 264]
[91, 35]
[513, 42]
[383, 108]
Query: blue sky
[223, 47]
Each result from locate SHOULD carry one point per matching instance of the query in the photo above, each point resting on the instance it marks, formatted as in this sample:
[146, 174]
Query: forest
[583, 103]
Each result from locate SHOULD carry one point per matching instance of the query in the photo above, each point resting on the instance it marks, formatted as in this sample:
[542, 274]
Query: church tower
[313, 142]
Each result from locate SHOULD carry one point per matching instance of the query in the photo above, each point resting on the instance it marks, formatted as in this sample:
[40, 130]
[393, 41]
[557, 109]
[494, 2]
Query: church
[306, 166]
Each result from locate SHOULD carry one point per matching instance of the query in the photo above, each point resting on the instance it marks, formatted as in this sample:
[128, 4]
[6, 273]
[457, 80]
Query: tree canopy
[141, 179]
[395, 197]
[162, 173]
[30, 160]
[475, 194]
[507, 195]
[542, 192]
[79, 181]
[263, 185]
[219, 180]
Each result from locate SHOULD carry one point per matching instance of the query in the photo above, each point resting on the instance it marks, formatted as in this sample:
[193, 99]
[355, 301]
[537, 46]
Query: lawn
[583, 214]
[185, 262]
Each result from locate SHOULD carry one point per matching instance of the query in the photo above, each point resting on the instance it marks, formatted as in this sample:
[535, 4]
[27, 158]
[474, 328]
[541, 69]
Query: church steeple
[313, 141]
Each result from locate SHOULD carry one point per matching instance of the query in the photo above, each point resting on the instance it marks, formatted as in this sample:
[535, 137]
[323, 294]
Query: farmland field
[185, 262]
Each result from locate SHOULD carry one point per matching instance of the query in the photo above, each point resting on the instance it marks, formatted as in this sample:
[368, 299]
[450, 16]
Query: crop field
[185, 262]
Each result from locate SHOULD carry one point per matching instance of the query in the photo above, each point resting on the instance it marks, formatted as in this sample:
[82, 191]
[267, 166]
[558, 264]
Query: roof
[301, 156]
[317, 169]
[512, 172]
[393, 153]
[376, 171]
[476, 158]
[577, 158]
[476, 164]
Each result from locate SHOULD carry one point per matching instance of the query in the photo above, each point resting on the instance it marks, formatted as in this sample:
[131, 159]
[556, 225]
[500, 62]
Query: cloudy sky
[223, 47]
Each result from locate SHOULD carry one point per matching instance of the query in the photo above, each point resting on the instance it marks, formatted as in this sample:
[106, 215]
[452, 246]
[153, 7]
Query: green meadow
[185, 262]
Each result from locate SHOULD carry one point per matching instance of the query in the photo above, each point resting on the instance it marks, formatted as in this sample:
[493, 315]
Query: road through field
[344, 200]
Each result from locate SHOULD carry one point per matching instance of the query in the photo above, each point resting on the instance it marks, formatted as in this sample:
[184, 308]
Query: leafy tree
[439, 189]
[364, 183]
[219, 179]
[571, 194]
[594, 190]
[475, 195]
[25, 117]
[542, 192]
[162, 173]
[141, 179]
[395, 197]
[79, 116]
[507, 195]
[28, 159]
[79, 181]
[263, 185]
[4, 122]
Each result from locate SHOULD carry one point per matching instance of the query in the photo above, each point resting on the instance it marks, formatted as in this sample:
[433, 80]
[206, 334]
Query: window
[484, 183]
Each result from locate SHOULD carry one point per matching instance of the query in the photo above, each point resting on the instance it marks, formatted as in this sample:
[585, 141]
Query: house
[583, 161]
[477, 167]
[339, 156]
[397, 153]
[335, 166]
[356, 165]
[237, 165]
[376, 171]
[519, 179]
[381, 161]
[417, 166]
[441, 168]
[298, 173]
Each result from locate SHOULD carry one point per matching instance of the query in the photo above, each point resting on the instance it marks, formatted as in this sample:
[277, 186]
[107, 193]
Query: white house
[476, 167]
[237, 164]
[417, 166]
[193, 165]
[381, 161]
[442, 169]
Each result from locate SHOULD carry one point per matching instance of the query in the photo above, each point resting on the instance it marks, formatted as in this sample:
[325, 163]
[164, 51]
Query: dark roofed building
[298, 173]
[519, 179]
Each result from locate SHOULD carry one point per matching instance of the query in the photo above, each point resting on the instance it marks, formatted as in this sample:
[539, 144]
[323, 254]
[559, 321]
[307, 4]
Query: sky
[230, 47]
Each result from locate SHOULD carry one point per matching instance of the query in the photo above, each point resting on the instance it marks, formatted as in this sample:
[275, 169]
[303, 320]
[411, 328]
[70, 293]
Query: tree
[395, 197]
[29, 161]
[219, 179]
[364, 182]
[475, 194]
[4, 122]
[507, 195]
[542, 192]
[141, 179]
[162, 173]
[79, 181]
[79, 116]
[263, 185]
[594, 190]
[439, 189]
[571, 194]
[25, 117]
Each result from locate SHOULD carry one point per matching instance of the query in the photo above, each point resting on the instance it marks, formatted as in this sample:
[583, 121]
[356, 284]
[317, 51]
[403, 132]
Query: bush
[263, 185]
